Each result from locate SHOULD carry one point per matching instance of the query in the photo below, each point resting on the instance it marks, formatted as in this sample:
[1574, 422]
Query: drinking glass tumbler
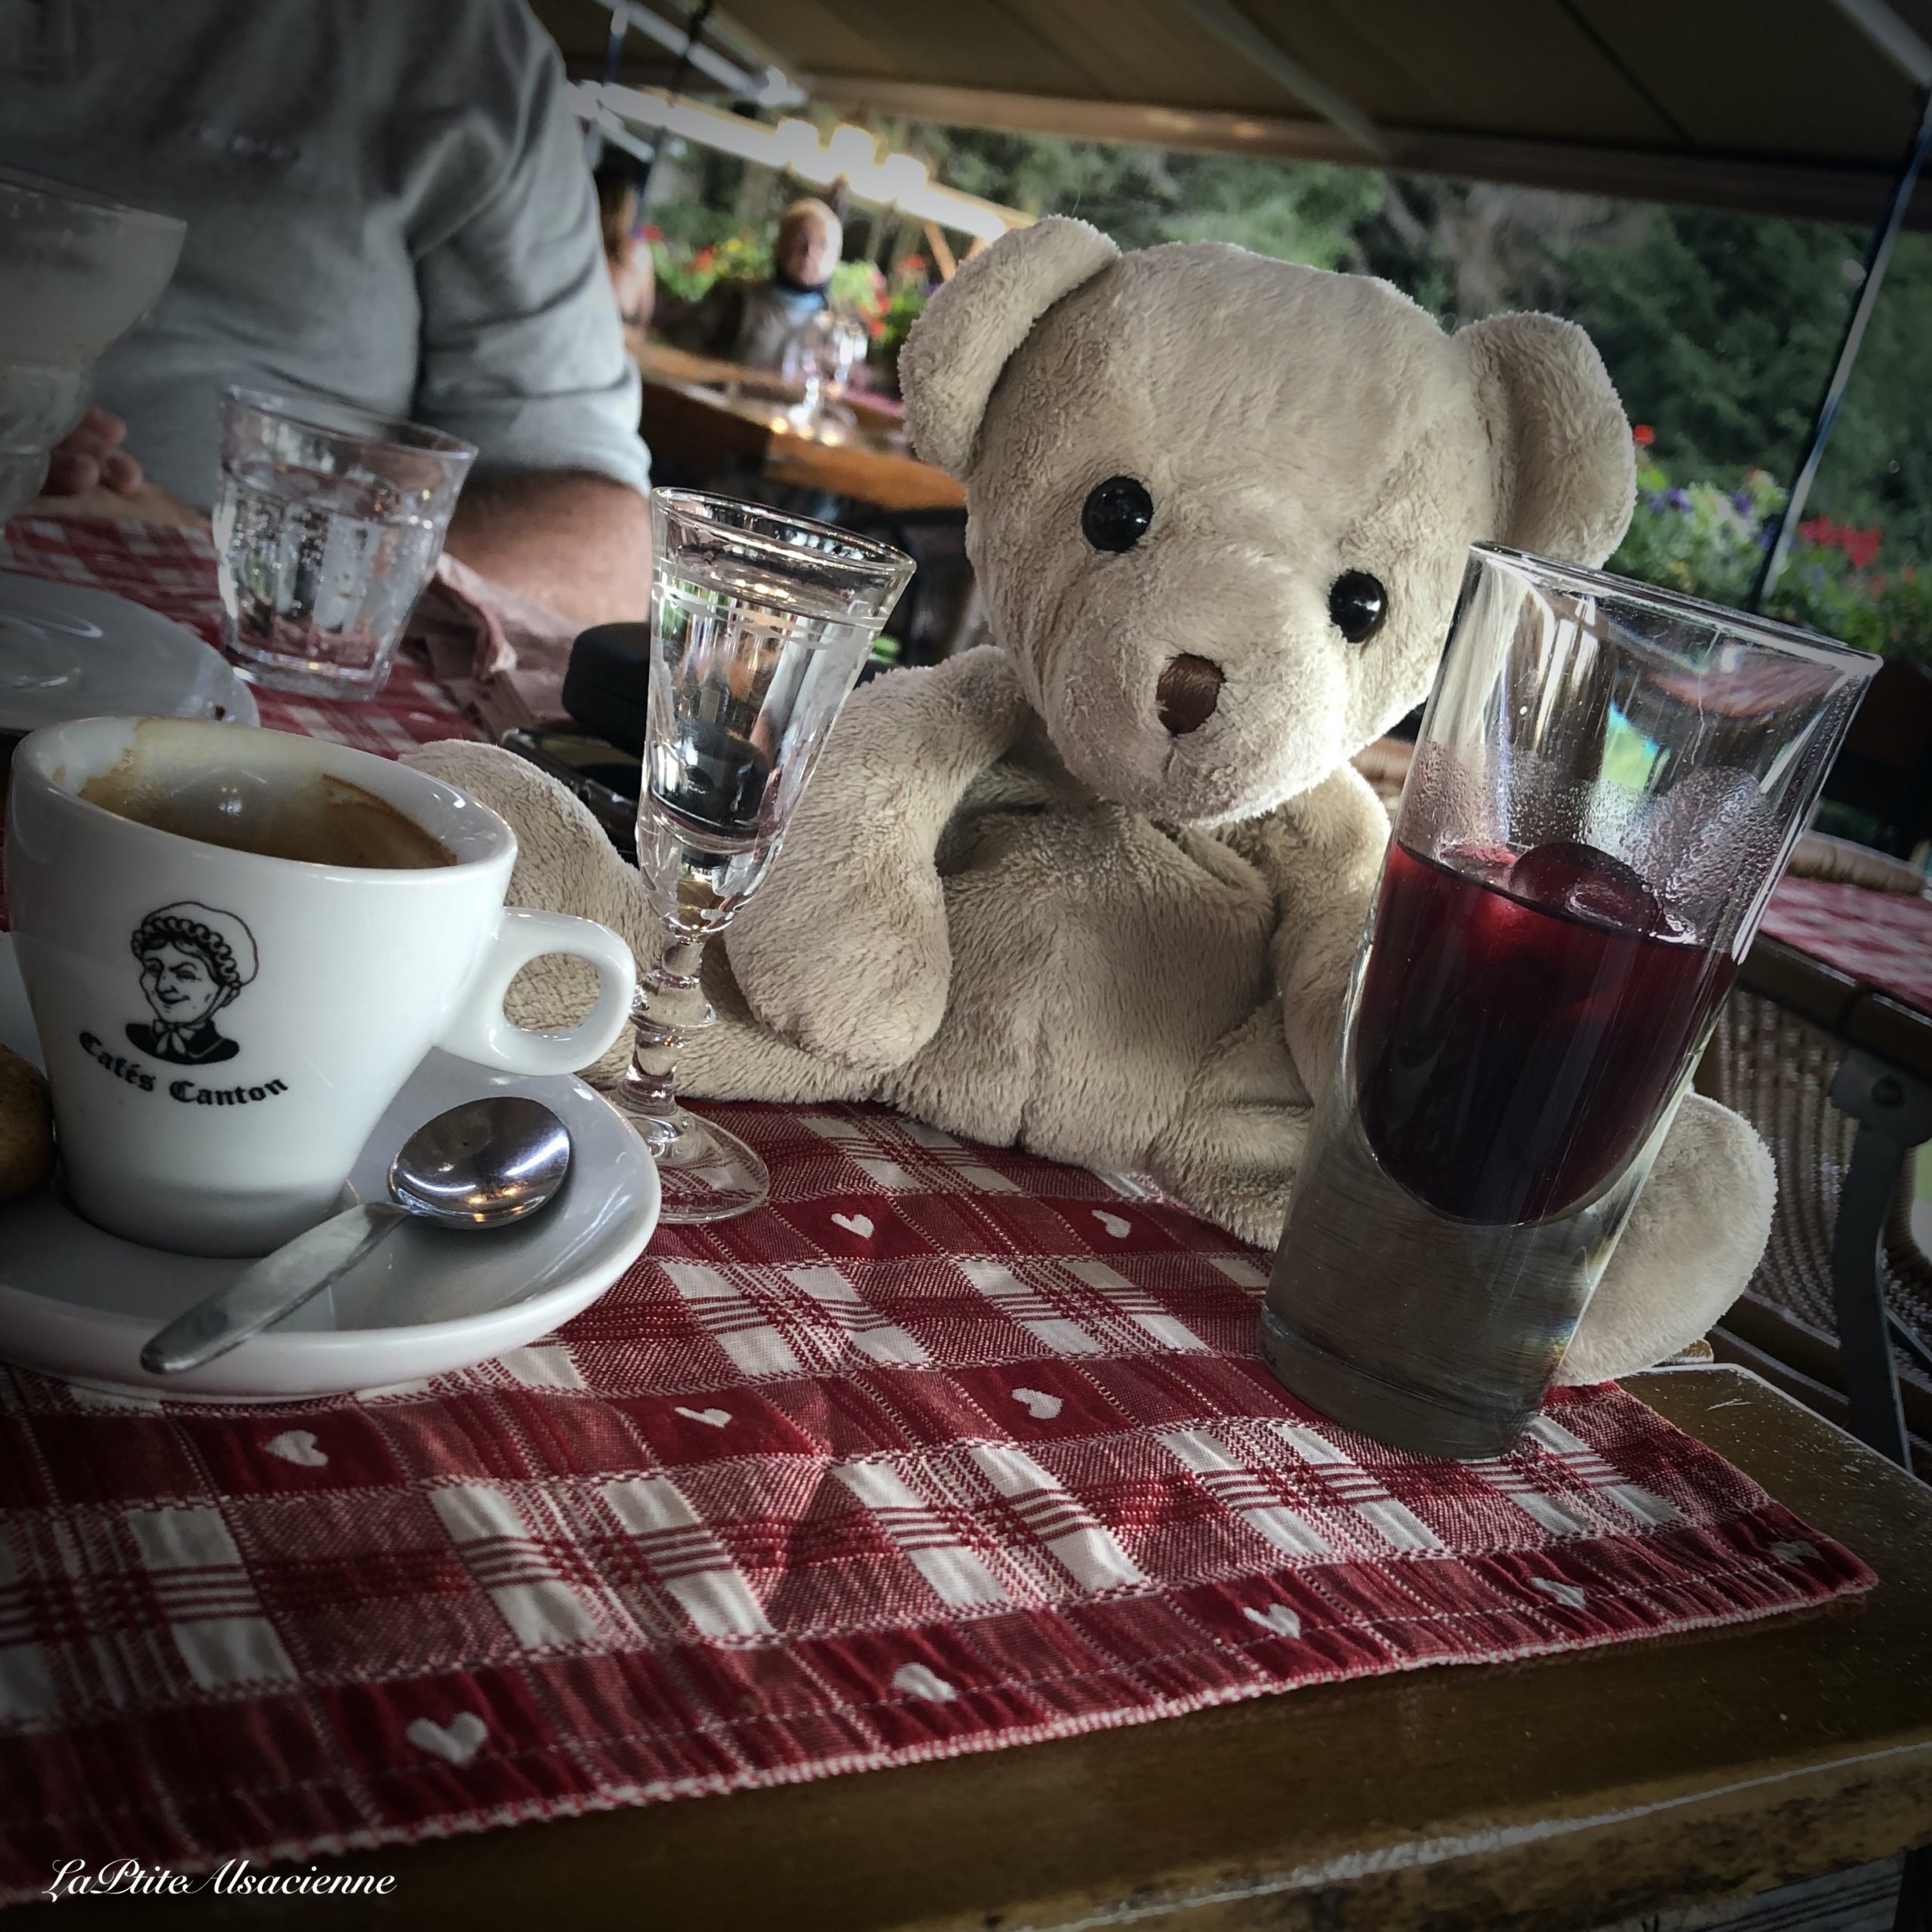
[328, 523]
[1607, 782]
[760, 624]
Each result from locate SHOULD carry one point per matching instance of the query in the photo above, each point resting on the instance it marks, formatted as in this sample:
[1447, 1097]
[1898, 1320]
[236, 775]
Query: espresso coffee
[316, 818]
[223, 1024]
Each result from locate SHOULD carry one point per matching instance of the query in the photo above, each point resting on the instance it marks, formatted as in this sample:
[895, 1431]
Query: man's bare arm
[578, 542]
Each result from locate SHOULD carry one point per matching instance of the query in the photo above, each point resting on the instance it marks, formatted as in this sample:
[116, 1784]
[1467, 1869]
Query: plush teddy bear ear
[955, 353]
[1565, 472]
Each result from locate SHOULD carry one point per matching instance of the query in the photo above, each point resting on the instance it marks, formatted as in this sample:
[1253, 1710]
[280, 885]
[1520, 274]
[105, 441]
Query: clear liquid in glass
[318, 573]
[743, 690]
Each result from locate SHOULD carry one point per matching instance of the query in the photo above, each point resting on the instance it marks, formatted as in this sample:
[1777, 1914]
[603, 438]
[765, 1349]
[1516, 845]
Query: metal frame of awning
[1912, 57]
[1748, 183]
[618, 113]
[1328, 127]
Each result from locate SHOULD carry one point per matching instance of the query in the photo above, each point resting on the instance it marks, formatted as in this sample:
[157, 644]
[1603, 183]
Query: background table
[1565, 1794]
[697, 426]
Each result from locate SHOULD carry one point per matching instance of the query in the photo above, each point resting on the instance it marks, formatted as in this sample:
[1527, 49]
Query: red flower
[1860, 545]
[1642, 435]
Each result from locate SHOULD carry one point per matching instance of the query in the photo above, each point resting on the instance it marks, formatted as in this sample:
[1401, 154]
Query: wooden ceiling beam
[1810, 191]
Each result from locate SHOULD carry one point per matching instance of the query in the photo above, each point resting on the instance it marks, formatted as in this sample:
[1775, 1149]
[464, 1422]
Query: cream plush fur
[1012, 902]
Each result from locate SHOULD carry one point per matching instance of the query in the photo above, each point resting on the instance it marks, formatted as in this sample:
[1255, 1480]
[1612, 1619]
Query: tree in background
[1468, 249]
[1718, 329]
[1143, 196]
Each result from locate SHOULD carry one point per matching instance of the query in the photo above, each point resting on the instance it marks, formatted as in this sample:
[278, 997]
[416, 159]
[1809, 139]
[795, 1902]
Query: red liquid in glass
[1520, 1027]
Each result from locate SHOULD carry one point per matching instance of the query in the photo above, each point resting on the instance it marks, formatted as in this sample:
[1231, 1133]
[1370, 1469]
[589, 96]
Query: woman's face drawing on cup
[181, 984]
[194, 960]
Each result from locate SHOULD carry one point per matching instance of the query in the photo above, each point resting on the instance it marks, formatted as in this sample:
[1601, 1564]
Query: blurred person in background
[627, 256]
[387, 206]
[750, 322]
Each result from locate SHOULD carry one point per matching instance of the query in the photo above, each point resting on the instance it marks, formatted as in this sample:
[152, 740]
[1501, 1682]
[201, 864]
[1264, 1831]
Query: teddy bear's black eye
[1358, 604]
[1116, 513]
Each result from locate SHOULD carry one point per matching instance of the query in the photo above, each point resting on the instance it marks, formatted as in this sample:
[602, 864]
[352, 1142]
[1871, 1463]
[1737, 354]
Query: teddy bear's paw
[843, 949]
[1232, 1150]
[737, 1058]
[1693, 1240]
[1237, 1171]
[564, 863]
[868, 992]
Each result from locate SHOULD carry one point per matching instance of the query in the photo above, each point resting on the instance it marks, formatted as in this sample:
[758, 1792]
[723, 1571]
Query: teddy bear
[1096, 887]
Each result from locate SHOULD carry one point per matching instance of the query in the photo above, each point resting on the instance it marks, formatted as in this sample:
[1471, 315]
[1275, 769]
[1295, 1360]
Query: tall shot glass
[1607, 782]
[760, 624]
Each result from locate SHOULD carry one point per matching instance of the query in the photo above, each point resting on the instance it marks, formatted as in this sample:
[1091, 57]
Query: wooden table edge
[809, 1856]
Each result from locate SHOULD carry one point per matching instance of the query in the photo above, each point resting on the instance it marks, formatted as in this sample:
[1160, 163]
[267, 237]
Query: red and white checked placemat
[1883, 938]
[946, 1449]
[172, 571]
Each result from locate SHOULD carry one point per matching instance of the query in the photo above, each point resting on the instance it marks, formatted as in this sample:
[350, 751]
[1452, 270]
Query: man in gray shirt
[387, 204]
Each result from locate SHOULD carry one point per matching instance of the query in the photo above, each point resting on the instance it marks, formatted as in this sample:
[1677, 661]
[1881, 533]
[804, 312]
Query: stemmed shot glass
[761, 622]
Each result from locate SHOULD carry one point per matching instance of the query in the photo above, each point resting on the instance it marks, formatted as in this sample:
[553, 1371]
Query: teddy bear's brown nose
[1189, 689]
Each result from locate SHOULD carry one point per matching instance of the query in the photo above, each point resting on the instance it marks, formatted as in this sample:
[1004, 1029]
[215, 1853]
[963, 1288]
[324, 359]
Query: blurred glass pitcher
[78, 272]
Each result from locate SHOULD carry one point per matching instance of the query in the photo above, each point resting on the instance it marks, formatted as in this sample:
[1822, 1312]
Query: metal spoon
[483, 1164]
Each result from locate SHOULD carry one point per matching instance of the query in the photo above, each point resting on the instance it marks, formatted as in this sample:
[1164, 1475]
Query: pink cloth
[946, 1448]
[172, 570]
[1884, 939]
[497, 651]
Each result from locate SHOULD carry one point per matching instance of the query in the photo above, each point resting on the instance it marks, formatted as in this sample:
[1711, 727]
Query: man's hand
[578, 542]
[89, 456]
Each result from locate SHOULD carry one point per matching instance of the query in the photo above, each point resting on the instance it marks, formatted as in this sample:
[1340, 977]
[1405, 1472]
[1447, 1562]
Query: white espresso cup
[222, 1029]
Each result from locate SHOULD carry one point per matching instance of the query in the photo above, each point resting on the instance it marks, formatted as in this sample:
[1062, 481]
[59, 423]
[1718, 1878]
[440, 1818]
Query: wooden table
[692, 420]
[663, 362]
[1566, 1793]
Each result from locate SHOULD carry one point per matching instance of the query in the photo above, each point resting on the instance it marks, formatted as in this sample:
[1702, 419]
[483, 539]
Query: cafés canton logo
[195, 962]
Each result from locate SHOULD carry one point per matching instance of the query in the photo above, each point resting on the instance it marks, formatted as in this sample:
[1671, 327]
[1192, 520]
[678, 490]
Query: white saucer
[66, 652]
[78, 1303]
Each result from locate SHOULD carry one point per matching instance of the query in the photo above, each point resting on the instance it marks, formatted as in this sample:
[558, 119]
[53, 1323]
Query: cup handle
[481, 1031]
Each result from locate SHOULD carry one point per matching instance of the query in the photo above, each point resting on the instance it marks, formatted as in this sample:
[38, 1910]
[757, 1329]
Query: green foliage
[858, 289]
[687, 271]
[904, 305]
[1143, 196]
[1721, 329]
[1708, 542]
[1718, 329]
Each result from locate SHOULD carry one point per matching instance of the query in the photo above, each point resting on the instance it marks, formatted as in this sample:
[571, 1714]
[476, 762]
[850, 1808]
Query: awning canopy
[1793, 107]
